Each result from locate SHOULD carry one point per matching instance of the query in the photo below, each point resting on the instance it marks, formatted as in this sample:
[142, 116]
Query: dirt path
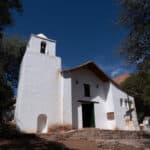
[11, 139]
[40, 144]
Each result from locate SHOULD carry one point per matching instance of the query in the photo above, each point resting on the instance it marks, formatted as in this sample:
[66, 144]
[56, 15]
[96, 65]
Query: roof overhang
[93, 67]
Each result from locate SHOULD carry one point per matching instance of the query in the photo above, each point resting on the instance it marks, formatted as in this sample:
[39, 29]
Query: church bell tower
[38, 101]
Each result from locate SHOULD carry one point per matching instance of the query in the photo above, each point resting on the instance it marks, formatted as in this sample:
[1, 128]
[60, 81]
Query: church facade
[81, 97]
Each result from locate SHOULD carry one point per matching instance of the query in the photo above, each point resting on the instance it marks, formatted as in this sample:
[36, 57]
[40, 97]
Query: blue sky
[84, 30]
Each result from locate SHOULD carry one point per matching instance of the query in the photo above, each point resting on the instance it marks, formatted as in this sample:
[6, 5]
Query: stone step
[111, 134]
[136, 143]
[97, 134]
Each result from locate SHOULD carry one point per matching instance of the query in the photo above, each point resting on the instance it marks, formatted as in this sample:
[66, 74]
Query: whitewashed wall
[66, 99]
[120, 111]
[97, 94]
[108, 98]
[44, 90]
[39, 83]
[111, 124]
[34, 45]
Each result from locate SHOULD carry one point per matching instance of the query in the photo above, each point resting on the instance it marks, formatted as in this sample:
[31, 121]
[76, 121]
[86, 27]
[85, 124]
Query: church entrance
[88, 116]
[42, 123]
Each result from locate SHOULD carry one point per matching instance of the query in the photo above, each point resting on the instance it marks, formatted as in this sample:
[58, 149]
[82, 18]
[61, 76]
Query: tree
[135, 17]
[7, 8]
[138, 85]
[6, 102]
[11, 53]
[10, 56]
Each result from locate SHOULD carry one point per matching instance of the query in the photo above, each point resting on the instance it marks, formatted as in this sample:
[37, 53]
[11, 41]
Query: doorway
[42, 123]
[88, 116]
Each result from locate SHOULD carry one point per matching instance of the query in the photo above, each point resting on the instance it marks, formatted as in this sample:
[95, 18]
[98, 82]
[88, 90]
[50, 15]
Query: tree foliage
[135, 17]
[11, 53]
[7, 9]
[138, 85]
[6, 101]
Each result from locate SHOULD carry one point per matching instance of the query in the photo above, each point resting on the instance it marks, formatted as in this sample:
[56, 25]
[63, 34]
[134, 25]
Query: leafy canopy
[6, 102]
[11, 53]
[138, 85]
[135, 17]
[7, 9]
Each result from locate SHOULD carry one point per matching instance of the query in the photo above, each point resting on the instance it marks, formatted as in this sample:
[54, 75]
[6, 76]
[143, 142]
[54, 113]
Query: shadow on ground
[11, 139]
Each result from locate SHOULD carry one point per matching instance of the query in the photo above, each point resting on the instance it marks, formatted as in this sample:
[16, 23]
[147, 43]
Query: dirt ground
[10, 139]
[36, 143]
[89, 145]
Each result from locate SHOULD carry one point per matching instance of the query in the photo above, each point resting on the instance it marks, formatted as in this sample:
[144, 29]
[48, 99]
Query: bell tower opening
[43, 47]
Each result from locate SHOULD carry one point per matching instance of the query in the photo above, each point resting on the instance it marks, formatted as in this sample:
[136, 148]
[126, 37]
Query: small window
[97, 86]
[87, 90]
[77, 82]
[130, 104]
[43, 47]
[121, 102]
[110, 116]
[126, 103]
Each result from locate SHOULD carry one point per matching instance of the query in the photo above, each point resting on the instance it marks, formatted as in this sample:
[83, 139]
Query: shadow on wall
[102, 93]
[75, 106]
[106, 89]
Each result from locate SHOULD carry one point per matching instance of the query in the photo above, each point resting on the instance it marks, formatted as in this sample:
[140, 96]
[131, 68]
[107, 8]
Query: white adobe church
[81, 97]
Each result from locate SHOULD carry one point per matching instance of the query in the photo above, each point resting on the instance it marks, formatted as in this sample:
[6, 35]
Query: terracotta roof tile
[120, 79]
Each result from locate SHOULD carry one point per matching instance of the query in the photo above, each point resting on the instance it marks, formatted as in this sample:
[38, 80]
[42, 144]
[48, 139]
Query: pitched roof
[120, 79]
[93, 67]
